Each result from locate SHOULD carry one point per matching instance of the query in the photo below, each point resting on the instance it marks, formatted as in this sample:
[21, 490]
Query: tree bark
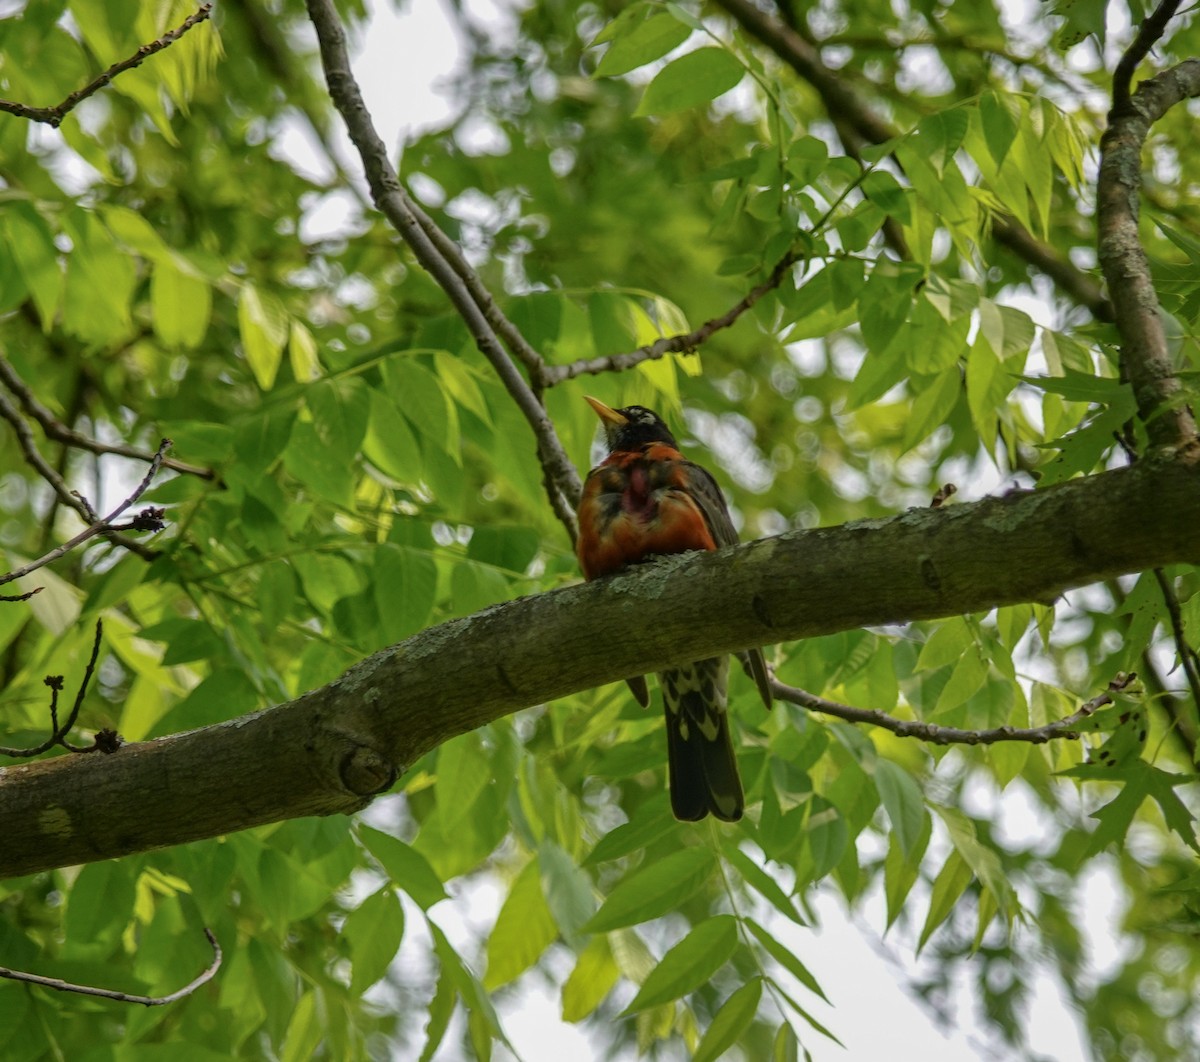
[334, 748]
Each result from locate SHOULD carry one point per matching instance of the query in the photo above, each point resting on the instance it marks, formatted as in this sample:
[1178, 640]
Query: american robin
[643, 500]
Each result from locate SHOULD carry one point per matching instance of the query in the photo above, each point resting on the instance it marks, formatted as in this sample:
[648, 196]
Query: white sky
[400, 63]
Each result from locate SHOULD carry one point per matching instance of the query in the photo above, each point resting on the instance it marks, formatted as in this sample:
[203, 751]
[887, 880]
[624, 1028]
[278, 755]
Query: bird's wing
[708, 496]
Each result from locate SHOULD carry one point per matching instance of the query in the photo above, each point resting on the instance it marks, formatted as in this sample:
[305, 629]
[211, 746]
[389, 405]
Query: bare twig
[22, 597]
[679, 344]
[67, 496]
[60, 432]
[391, 198]
[54, 115]
[58, 734]
[951, 735]
[149, 519]
[123, 997]
[847, 109]
[1145, 357]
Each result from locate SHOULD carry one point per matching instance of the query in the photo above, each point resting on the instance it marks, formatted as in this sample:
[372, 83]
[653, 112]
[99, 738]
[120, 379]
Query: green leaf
[948, 886]
[996, 114]
[827, 837]
[304, 1030]
[690, 80]
[472, 992]
[463, 772]
[263, 326]
[181, 303]
[373, 930]
[651, 822]
[901, 871]
[932, 404]
[651, 891]
[441, 1009]
[763, 883]
[405, 586]
[524, 929]
[903, 801]
[590, 982]
[729, 1022]
[648, 41]
[31, 242]
[569, 892]
[302, 352]
[786, 958]
[404, 865]
[967, 678]
[689, 964]
[421, 397]
[390, 444]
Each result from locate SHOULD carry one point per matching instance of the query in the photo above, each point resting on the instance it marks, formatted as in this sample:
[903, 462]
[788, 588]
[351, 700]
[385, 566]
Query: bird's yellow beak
[606, 413]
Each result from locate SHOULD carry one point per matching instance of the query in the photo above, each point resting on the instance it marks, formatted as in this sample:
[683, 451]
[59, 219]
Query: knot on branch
[364, 772]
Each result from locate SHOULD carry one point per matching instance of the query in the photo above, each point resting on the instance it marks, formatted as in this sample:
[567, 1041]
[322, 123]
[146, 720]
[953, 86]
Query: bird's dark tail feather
[703, 768]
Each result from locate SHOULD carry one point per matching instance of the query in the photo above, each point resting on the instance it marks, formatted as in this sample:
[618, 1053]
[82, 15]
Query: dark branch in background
[105, 740]
[149, 519]
[123, 997]
[1187, 655]
[60, 432]
[1145, 358]
[54, 115]
[951, 735]
[680, 344]
[849, 111]
[394, 202]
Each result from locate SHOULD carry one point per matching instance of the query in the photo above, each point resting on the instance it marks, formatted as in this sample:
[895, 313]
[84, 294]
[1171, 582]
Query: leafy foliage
[168, 269]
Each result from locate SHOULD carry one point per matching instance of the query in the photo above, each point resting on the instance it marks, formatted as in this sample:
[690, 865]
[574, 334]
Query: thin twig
[58, 733]
[60, 432]
[68, 497]
[149, 519]
[678, 344]
[123, 997]
[950, 735]
[54, 115]
[394, 202]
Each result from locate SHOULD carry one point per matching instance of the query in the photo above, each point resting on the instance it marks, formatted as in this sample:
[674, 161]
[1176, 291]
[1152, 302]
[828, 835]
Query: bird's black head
[631, 427]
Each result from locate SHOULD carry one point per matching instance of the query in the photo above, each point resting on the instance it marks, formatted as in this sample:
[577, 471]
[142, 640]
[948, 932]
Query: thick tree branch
[394, 202]
[333, 749]
[1145, 357]
[54, 115]
[848, 110]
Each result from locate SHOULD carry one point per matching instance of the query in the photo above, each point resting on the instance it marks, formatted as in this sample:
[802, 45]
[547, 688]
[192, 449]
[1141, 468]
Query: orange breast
[637, 506]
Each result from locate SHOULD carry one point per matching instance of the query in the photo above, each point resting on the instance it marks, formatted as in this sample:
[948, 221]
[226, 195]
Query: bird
[644, 500]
